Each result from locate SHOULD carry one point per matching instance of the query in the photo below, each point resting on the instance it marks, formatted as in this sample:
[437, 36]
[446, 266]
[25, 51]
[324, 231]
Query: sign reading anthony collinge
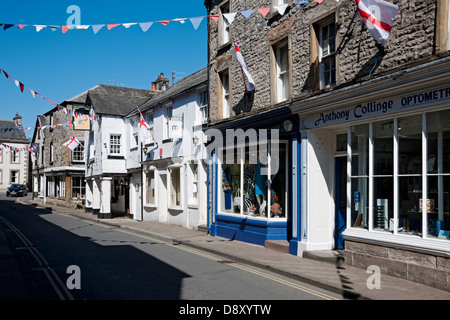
[373, 108]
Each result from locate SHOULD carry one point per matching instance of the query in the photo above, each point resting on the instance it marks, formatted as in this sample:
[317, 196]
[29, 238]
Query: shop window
[409, 133]
[246, 188]
[50, 187]
[78, 188]
[383, 175]
[224, 94]
[359, 175]
[438, 174]
[151, 188]
[60, 187]
[175, 187]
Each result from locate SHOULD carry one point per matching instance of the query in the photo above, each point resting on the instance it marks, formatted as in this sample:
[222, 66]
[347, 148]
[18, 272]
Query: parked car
[18, 190]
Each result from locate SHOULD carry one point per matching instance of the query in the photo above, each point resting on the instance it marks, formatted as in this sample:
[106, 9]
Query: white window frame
[82, 187]
[283, 75]
[81, 145]
[167, 117]
[224, 77]
[224, 31]
[170, 171]
[148, 187]
[16, 178]
[51, 152]
[329, 54]
[203, 106]
[193, 184]
[113, 151]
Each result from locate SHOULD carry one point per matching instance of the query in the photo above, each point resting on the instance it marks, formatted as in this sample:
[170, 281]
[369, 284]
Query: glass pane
[341, 142]
[278, 193]
[410, 145]
[438, 129]
[360, 150]
[151, 187]
[410, 197]
[332, 35]
[231, 184]
[383, 216]
[438, 206]
[383, 147]
[359, 202]
[175, 187]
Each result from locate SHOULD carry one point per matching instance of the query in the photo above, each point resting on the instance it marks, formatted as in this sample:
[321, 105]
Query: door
[340, 200]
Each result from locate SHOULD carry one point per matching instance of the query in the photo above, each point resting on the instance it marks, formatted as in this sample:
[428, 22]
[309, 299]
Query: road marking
[42, 262]
[219, 259]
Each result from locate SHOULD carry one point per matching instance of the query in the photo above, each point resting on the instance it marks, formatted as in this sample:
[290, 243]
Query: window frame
[74, 152]
[115, 145]
[331, 55]
[278, 95]
[224, 94]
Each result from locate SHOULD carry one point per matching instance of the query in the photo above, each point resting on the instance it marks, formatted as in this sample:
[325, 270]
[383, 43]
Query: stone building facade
[58, 172]
[311, 62]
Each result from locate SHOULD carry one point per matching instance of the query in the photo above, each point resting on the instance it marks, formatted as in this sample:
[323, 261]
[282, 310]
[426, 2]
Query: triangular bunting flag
[21, 86]
[196, 22]
[230, 17]
[247, 13]
[164, 22]
[215, 17]
[127, 25]
[110, 26]
[39, 27]
[7, 26]
[65, 29]
[264, 11]
[145, 26]
[281, 9]
[96, 28]
[21, 26]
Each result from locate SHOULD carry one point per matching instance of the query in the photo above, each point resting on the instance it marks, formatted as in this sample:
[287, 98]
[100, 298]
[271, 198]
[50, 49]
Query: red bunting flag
[21, 86]
[65, 29]
[164, 22]
[110, 26]
[264, 11]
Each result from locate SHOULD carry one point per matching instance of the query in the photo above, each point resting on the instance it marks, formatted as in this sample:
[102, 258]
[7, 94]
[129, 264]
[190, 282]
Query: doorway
[340, 200]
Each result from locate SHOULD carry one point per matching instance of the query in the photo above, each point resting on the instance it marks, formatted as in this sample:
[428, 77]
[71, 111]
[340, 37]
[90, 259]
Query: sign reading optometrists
[374, 108]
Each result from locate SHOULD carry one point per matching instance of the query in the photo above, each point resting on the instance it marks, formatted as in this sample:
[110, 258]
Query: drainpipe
[207, 4]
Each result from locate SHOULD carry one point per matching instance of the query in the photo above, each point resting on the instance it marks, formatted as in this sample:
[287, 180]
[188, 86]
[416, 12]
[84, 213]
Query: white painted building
[13, 163]
[107, 147]
[173, 185]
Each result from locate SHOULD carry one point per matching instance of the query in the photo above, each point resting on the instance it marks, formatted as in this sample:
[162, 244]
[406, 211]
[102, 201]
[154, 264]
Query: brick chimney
[160, 84]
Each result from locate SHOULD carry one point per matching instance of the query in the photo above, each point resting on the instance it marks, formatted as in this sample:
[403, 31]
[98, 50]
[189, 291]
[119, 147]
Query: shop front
[376, 174]
[253, 178]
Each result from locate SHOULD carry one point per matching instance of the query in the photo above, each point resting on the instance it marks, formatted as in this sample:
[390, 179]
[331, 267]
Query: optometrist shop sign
[372, 108]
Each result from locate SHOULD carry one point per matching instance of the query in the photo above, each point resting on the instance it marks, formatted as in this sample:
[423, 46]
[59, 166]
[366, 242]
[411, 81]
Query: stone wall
[426, 268]
[412, 41]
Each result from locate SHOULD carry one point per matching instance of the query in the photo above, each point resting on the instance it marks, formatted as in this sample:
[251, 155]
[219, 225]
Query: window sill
[116, 157]
[150, 206]
[167, 140]
[134, 148]
[193, 206]
[175, 208]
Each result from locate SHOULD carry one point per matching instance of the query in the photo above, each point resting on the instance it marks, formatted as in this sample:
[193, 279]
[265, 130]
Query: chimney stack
[18, 120]
[160, 84]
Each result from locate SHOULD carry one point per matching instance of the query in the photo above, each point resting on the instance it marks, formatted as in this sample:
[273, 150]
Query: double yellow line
[262, 274]
[59, 287]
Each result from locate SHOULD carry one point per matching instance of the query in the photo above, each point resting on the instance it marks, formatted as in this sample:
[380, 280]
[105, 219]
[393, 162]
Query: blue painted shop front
[240, 210]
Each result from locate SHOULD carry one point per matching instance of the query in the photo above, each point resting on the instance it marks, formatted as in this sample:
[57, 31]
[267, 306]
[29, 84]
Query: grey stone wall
[426, 268]
[411, 42]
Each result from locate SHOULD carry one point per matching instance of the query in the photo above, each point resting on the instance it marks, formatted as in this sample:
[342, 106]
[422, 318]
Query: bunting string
[145, 26]
[69, 112]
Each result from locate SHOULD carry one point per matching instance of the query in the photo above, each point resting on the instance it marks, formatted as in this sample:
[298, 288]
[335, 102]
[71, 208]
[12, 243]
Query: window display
[247, 190]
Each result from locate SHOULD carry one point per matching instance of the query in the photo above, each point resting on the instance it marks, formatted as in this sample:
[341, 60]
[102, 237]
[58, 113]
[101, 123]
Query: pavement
[317, 270]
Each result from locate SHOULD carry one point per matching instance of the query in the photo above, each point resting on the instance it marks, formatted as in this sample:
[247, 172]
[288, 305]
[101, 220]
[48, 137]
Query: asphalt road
[62, 258]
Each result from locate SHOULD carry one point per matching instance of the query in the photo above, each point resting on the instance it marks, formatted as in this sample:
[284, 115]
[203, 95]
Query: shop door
[340, 198]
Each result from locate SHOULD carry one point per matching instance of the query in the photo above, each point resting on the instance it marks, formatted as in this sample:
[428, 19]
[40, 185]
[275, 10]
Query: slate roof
[112, 100]
[11, 136]
[179, 87]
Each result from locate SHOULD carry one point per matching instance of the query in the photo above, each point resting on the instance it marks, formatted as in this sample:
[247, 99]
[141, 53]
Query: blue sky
[60, 66]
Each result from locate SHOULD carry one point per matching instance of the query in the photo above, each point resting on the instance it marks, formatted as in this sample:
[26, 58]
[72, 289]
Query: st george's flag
[144, 129]
[378, 16]
[72, 143]
[250, 85]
